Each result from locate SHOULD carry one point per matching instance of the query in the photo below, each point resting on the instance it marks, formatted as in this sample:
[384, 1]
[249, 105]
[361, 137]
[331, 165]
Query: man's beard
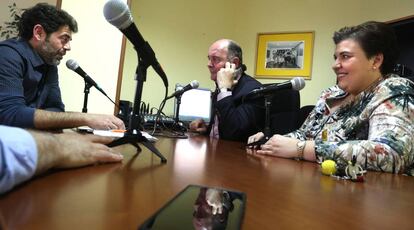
[48, 53]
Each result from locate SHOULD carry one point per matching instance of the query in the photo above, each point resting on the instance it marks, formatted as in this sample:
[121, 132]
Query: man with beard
[29, 87]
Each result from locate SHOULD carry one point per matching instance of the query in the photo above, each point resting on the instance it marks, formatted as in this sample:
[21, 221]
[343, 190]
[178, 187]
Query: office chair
[303, 114]
[284, 111]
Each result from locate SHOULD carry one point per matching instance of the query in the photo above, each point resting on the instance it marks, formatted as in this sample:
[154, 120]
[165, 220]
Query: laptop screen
[195, 103]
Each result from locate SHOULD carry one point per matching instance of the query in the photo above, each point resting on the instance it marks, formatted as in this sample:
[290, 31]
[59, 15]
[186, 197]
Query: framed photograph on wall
[284, 55]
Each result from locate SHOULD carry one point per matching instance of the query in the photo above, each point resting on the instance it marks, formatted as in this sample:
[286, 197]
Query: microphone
[193, 85]
[118, 14]
[296, 83]
[73, 65]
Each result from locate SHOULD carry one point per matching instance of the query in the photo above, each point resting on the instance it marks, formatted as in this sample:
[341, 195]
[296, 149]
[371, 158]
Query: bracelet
[300, 147]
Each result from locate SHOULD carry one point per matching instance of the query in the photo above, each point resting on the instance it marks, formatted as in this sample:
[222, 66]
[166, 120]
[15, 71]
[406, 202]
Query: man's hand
[198, 126]
[69, 150]
[80, 150]
[225, 77]
[104, 122]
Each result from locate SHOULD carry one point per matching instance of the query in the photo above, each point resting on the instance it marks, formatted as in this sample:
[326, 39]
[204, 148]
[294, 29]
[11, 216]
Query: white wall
[96, 47]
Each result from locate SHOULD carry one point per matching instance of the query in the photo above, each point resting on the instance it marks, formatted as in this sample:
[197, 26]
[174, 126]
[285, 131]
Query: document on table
[113, 133]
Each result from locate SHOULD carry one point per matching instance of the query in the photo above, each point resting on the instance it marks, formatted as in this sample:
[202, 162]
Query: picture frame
[284, 55]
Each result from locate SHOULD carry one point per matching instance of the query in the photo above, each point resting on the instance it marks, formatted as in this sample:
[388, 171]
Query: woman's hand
[255, 137]
[279, 146]
[250, 149]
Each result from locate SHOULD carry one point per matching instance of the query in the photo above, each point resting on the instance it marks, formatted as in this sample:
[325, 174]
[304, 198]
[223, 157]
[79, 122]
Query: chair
[284, 111]
[303, 114]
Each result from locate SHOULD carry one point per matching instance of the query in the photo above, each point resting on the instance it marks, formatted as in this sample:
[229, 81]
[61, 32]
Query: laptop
[195, 104]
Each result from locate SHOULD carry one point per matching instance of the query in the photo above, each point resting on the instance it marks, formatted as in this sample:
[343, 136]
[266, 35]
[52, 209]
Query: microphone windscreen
[118, 14]
[298, 83]
[194, 84]
[72, 64]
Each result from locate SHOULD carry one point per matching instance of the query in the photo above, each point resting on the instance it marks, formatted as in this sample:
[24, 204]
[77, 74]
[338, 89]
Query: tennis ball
[328, 167]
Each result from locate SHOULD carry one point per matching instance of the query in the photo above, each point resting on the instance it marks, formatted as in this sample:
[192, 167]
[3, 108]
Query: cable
[160, 108]
[116, 105]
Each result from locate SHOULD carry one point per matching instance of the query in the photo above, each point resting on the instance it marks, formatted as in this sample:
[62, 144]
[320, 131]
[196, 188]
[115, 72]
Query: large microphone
[73, 65]
[118, 14]
[296, 83]
[193, 85]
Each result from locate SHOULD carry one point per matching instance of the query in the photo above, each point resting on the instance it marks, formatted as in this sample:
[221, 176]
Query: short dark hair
[234, 50]
[374, 38]
[46, 15]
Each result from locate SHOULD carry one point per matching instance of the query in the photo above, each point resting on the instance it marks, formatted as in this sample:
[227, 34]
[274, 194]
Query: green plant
[10, 29]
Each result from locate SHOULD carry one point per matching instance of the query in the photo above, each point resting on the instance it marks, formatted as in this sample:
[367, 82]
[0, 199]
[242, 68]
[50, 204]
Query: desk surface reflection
[281, 194]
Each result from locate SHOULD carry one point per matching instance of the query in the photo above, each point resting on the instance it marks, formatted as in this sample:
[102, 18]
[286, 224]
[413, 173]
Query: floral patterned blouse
[376, 126]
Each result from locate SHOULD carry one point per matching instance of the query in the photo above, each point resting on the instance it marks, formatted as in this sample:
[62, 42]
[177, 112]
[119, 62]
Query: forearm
[47, 146]
[58, 120]
[309, 151]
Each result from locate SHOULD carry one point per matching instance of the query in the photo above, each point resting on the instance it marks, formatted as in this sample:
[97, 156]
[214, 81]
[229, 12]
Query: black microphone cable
[160, 108]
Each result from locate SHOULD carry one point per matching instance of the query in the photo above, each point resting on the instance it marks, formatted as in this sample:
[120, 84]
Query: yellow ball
[328, 167]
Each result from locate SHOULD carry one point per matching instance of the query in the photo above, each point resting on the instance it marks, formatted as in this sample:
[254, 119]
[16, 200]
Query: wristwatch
[300, 146]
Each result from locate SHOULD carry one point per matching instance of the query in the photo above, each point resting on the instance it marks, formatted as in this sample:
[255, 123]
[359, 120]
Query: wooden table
[281, 194]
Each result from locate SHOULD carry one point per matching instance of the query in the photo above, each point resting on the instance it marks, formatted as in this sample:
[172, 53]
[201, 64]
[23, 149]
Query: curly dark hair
[46, 15]
[374, 38]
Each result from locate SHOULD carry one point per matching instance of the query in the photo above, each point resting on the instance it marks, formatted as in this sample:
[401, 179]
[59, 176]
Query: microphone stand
[177, 108]
[268, 97]
[85, 97]
[268, 104]
[133, 134]
[177, 125]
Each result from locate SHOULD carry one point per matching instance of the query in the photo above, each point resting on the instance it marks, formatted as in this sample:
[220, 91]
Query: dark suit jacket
[237, 120]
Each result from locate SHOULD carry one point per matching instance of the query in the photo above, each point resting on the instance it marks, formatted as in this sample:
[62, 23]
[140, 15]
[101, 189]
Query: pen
[118, 130]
